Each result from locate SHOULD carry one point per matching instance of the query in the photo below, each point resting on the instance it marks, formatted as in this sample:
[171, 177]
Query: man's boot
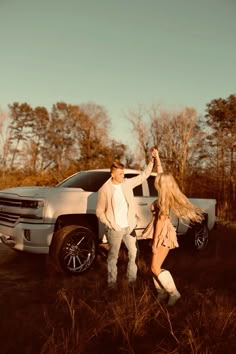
[165, 278]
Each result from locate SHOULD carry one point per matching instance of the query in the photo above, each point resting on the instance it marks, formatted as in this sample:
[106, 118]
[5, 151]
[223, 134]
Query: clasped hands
[155, 153]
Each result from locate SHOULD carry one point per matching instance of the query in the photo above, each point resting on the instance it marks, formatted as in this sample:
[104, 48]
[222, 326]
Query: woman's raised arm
[158, 161]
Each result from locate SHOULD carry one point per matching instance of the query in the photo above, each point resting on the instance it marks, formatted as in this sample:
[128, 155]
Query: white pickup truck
[61, 220]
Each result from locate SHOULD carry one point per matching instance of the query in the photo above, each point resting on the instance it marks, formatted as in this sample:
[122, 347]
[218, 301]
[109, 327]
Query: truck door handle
[143, 204]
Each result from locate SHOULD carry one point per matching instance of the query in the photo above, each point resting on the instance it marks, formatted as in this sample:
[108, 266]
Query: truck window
[138, 191]
[97, 179]
[88, 181]
[152, 189]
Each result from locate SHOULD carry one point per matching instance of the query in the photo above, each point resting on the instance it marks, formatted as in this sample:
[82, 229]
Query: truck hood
[33, 192]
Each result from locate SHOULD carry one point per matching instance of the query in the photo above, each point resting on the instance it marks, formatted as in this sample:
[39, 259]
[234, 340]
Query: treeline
[42, 147]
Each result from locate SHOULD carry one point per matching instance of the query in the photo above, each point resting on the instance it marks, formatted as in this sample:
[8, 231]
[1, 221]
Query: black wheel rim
[78, 252]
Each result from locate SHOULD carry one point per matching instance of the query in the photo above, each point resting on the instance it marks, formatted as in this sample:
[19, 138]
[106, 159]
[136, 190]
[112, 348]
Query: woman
[164, 235]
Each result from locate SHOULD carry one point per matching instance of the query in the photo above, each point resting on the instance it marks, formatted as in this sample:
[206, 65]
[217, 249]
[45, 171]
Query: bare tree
[184, 142]
[141, 129]
[177, 135]
[94, 135]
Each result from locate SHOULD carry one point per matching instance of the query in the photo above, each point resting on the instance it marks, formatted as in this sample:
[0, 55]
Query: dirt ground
[27, 282]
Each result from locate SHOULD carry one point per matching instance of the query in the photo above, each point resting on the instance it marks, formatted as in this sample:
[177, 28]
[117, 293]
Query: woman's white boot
[166, 280]
[162, 294]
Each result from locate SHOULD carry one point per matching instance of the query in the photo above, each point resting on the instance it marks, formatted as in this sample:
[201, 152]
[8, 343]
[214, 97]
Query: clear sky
[117, 53]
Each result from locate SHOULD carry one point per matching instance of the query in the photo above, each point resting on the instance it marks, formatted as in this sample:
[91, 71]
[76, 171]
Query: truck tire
[200, 236]
[73, 249]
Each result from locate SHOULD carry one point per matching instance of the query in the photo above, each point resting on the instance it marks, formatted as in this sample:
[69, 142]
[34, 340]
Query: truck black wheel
[73, 249]
[201, 235]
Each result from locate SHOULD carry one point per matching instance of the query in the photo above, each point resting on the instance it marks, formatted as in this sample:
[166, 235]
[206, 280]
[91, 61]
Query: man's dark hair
[117, 164]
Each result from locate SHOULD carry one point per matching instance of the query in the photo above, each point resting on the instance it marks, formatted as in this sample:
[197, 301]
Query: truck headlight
[32, 204]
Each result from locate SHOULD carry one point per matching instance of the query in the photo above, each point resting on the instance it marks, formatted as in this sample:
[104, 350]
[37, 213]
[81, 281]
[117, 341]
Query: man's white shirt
[120, 206]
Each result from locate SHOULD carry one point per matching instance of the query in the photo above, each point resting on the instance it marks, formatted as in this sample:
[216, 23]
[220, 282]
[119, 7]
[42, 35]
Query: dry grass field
[43, 312]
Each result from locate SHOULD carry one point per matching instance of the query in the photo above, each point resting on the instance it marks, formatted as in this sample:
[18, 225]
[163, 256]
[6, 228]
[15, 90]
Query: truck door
[143, 201]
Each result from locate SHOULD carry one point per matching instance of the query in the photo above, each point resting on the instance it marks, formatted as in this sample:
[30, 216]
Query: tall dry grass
[134, 321]
[55, 314]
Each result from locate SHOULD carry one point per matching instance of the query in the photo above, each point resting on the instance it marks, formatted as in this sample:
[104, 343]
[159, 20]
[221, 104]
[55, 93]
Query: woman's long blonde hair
[171, 197]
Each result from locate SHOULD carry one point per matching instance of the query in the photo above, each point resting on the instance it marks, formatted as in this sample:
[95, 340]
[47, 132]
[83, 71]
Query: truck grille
[7, 217]
[11, 210]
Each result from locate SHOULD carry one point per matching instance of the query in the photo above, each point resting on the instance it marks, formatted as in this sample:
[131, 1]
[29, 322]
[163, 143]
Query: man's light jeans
[115, 238]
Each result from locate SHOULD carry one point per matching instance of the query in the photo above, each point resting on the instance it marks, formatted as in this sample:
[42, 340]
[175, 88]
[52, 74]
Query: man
[116, 209]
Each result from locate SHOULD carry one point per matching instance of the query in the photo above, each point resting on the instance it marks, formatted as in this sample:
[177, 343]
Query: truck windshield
[88, 181]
